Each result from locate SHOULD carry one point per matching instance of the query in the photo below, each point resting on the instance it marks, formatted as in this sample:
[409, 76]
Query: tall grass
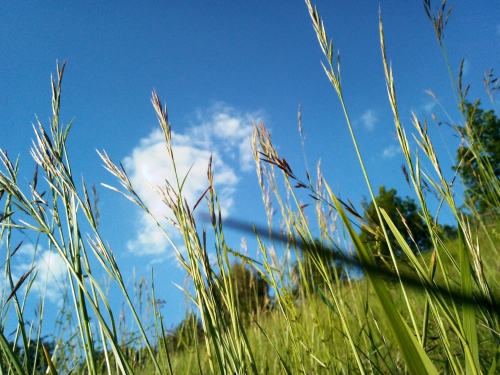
[435, 313]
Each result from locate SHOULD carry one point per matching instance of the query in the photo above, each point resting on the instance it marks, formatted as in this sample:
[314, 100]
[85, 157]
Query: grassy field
[418, 314]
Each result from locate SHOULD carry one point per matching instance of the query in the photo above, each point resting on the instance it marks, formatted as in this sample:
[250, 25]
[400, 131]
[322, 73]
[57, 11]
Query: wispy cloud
[229, 130]
[50, 269]
[428, 107]
[391, 151]
[369, 119]
[220, 132]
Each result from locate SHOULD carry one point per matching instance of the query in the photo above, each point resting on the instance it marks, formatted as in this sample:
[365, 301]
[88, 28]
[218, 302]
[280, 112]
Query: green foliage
[33, 358]
[318, 262]
[478, 157]
[251, 291]
[405, 215]
[186, 335]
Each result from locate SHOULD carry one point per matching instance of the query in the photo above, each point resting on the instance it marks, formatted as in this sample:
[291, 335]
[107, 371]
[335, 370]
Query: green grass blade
[15, 365]
[493, 368]
[283, 363]
[415, 357]
[52, 368]
[468, 313]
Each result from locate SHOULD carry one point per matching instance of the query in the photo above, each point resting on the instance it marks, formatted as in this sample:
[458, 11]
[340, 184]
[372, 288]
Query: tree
[185, 334]
[478, 157]
[319, 261]
[32, 358]
[251, 290]
[412, 228]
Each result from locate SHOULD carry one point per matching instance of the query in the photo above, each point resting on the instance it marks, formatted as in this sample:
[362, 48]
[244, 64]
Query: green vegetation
[406, 218]
[478, 155]
[305, 312]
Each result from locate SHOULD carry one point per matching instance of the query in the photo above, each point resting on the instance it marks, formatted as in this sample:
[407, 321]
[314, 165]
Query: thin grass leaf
[468, 311]
[415, 357]
[14, 363]
[326, 301]
[22, 279]
[493, 368]
[286, 368]
[51, 368]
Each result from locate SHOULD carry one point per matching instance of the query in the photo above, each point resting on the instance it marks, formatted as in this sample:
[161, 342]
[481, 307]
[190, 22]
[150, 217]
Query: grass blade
[468, 311]
[415, 357]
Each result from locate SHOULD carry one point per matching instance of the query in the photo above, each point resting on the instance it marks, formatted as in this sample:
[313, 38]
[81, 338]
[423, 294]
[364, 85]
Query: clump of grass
[59, 210]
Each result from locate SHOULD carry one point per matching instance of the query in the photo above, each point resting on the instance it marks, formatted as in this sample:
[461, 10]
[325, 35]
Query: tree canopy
[406, 217]
[478, 157]
[250, 289]
[319, 260]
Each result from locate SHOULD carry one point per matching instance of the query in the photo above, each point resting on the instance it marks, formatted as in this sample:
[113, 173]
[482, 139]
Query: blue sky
[220, 66]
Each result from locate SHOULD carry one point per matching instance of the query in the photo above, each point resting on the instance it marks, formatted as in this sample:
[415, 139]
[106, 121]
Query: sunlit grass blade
[12, 357]
[52, 368]
[415, 357]
[283, 363]
[468, 311]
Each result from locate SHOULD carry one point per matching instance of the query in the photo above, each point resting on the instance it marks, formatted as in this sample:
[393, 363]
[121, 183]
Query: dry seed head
[299, 116]
[162, 114]
[440, 20]
[491, 84]
[210, 174]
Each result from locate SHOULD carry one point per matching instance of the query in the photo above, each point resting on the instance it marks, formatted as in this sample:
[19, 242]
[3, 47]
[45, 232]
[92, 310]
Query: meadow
[331, 303]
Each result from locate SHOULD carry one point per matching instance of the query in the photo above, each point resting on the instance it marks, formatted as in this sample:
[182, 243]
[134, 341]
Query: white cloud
[228, 130]
[369, 119]
[391, 151]
[429, 106]
[51, 272]
[221, 132]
